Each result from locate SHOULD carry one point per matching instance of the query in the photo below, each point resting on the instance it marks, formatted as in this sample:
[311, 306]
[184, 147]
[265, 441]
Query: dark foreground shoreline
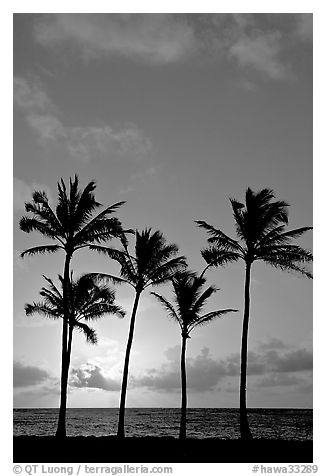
[110, 449]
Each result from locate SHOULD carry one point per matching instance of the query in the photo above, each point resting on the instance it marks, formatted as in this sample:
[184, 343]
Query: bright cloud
[86, 142]
[29, 95]
[158, 38]
[92, 376]
[262, 53]
[252, 40]
[47, 126]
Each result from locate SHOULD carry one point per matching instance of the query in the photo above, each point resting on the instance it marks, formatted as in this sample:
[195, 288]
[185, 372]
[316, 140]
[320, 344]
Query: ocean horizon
[270, 423]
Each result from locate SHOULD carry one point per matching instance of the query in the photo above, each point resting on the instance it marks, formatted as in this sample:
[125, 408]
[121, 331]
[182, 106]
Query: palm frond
[41, 250]
[42, 309]
[99, 230]
[202, 299]
[220, 239]
[238, 209]
[216, 257]
[293, 253]
[116, 280]
[169, 307]
[89, 333]
[278, 236]
[29, 224]
[210, 316]
[289, 266]
[166, 271]
[99, 309]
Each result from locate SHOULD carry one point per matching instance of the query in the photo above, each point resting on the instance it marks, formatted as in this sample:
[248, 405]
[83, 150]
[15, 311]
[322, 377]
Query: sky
[174, 114]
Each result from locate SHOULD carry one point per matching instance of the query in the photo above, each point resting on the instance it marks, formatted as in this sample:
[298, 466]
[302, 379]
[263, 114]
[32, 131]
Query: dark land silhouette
[111, 449]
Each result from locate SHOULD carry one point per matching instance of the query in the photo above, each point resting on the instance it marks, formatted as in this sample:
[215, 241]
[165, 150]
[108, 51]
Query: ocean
[274, 423]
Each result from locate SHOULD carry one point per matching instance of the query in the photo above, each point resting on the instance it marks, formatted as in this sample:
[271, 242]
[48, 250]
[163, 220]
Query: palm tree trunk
[121, 424]
[244, 425]
[183, 419]
[61, 430]
[71, 328]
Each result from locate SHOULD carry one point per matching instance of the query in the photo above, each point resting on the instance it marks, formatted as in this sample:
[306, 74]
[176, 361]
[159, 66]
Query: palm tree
[89, 301]
[155, 262]
[71, 226]
[189, 300]
[262, 236]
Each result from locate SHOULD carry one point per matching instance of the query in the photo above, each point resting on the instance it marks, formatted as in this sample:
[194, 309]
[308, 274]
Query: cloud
[81, 143]
[156, 38]
[304, 26]
[47, 126]
[295, 361]
[29, 95]
[203, 373]
[278, 380]
[256, 42]
[275, 367]
[128, 142]
[26, 375]
[261, 52]
[91, 376]
[272, 343]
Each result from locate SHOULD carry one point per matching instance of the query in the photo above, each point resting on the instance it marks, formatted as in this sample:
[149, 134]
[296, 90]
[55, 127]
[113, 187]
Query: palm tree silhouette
[189, 300]
[72, 226]
[260, 228]
[155, 262]
[88, 301]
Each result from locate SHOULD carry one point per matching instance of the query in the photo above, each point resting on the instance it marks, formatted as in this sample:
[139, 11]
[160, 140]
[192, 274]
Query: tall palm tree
[71, 226]
[155, 262]
[261, 231]
[88, 301]
[188, 303]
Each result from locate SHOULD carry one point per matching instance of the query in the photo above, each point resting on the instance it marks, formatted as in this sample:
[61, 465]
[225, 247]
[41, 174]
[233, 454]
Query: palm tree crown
[71, 224]
[154, 262]
[260, 227]
[189, 301]
[89, 301]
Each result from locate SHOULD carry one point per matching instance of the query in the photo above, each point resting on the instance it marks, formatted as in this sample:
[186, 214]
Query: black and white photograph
[163, 238]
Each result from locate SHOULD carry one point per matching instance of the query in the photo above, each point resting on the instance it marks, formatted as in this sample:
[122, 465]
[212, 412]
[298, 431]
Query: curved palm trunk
[244, 425]
[121, 424]
[65, 358]
[183, 419]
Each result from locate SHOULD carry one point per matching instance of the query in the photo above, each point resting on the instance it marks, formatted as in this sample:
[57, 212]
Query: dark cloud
[272, 343]
[25, 375]
[278, 380]
[204, 373]
[91, 376]
[295, 361]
